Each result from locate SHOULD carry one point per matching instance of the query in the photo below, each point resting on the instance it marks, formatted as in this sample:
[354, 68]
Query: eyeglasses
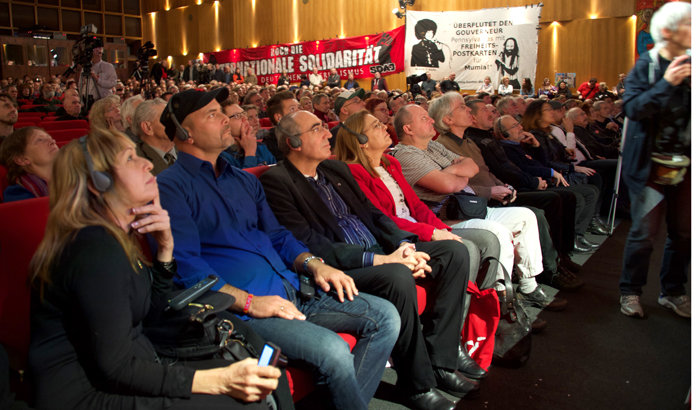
[373, 126]
[238, 115]
[316, 129]
[459, 107]
[516, 125]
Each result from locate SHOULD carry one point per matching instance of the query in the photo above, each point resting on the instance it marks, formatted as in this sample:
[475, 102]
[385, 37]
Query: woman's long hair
[533, 115]
[347, 147]
[74, 206]
[13, 147]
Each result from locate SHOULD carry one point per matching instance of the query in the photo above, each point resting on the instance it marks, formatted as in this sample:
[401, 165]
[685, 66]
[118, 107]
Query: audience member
[505, 88]
[379, 83]
[449, 84]
[588, 90]
[70, 110]
[322, 107]
[92, 294]
[315, 78]
[486, 86]
[351, 82]
[435, 173]
[28, 154]
[333, 79]
[346, 103]
[306, 192]
[246, 151]
[8, 116]
[547, 89]
[152, 142]
[280, 105]
[106, 114]
[202, 188]
[453, 125]
[127, 109]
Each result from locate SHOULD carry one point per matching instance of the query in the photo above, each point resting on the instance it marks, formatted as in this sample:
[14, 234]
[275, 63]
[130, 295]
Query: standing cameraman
[655, 157]
[103, 77]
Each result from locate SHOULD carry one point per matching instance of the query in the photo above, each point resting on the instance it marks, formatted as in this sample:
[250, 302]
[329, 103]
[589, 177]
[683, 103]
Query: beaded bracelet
[248, 302]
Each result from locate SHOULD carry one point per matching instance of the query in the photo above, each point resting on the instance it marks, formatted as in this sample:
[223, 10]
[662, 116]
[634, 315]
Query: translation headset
[361, 138]
[101, 180]
[180, 132]
[499, 128]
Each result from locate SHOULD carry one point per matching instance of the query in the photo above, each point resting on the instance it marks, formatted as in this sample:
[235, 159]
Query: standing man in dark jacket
[657, 144]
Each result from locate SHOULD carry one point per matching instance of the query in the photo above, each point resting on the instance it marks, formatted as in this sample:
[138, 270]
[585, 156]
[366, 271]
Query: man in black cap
[346, 104]
[223, 226]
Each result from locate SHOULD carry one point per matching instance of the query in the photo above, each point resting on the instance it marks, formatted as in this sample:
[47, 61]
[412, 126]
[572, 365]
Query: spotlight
[397, 13]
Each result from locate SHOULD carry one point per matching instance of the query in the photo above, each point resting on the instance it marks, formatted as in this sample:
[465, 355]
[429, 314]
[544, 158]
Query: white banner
[473, 44]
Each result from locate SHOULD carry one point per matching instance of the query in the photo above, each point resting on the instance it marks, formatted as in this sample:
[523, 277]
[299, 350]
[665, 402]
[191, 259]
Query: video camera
[145, 52]
[412, 82]
[82, 50]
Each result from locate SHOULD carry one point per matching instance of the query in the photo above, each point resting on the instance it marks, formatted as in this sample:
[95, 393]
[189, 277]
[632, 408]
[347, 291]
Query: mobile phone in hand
[270, 355]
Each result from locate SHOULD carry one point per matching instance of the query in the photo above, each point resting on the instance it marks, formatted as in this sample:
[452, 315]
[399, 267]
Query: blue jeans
[649, 208]
[351, 377]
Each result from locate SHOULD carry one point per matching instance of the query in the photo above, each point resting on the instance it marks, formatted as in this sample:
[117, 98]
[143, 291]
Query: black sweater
[88, 349]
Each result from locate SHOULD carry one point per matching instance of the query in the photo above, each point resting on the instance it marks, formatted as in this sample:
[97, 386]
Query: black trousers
[416, 351]
[584, 209]
[561, 228]
[606, 169]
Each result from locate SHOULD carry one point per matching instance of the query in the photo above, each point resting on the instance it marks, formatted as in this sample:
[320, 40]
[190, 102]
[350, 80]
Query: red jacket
[380, 197]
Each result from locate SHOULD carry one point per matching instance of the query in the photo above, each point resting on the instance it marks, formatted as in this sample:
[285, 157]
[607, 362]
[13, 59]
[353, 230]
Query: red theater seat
[332, 124]
[67, 135]
[21, 230]
[25, 123]
[265, 122]
[4, 183]
[63, 125]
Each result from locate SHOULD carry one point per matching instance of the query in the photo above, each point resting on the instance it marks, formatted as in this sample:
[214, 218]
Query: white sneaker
[630, 306]
[679, 304]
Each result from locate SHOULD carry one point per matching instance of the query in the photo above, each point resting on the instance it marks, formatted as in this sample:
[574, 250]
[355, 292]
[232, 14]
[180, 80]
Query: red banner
[362, 56]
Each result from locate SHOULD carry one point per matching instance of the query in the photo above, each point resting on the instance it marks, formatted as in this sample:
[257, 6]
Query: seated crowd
[366, 226]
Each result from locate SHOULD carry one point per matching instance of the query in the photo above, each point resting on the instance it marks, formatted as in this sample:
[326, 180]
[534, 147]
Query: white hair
[668, 17]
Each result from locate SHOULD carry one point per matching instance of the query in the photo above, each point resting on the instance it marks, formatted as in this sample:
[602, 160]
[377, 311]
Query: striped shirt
[417, 163]
[354, 231]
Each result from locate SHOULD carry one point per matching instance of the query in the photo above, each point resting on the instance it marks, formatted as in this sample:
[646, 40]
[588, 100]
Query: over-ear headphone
[361, 138]
[499, 128]
[180, 132]
[101, 180]
[292, 140]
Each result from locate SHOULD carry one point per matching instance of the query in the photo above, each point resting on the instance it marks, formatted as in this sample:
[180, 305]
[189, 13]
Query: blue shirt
[224, 226]
[263, 156]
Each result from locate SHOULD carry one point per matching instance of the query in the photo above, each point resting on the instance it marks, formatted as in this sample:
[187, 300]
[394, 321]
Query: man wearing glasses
[246, 151]
[347, 103]
[319, 201]
[223, 226]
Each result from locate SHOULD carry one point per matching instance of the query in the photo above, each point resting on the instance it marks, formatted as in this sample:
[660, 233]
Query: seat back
[258, 171]
[63, 125]
[68, 134]
[265, 122]
[22, 228]
[4, 182]
[24, 123]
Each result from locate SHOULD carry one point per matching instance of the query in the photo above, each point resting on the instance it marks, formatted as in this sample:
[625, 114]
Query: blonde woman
[92, 290]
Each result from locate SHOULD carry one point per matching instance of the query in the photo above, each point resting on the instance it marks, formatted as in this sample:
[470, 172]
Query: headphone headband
[361, 138]
[101, 180]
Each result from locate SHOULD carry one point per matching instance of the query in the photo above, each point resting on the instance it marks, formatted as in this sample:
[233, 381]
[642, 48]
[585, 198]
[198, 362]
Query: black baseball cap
[186, 102]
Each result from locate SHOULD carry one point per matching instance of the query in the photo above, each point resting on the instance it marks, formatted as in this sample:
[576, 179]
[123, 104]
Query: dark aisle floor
[591, 356]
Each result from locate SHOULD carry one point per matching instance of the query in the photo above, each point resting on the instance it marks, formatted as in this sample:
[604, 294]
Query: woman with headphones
[92, 291]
